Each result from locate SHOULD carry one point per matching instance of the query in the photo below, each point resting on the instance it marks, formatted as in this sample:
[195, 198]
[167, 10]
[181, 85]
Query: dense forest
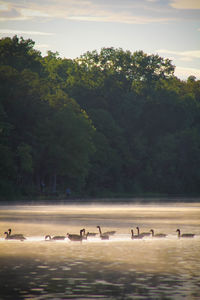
[107, 123]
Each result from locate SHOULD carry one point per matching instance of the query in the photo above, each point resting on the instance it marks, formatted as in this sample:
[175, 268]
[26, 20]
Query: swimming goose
[91, 234]
[103, 236]
[83, 234]
[158, 235]
[185, 235]
[143, 233]
[76, 237]
[14, 237]
[135, 236]
[57, 237]
[108, 232]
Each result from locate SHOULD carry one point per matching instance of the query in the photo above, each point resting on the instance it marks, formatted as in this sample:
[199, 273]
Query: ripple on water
[37, 290]
[103, 282]
[66, 268]
[84, 287]
[43, 267]
[16, 267]
[43, 285]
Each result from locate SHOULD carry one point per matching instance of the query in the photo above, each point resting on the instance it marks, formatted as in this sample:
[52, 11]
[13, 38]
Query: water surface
[120, 268]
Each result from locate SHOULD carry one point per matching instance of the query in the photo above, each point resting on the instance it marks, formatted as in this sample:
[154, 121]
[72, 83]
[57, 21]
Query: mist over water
[119, 268]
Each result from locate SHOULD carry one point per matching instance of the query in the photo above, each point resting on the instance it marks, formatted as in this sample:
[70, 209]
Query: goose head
[152, 231]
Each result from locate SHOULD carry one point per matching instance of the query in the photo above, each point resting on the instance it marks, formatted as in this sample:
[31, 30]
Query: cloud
[182, 55]
[99, 11]
[185, 4]
[11, 31]
[184, 73]
[33, 13]
[118, 18]
[8, 11]
[19, 12]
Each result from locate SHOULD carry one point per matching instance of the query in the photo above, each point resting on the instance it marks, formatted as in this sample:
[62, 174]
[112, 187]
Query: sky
[169, 28]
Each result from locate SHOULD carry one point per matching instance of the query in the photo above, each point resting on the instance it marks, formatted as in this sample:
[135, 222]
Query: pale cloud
[182, 55]
[11, 31]
[33, 13]
[186, 58]
[185, 4]
[118, 18]
[184, 73]
[18, 12]
[75, 10]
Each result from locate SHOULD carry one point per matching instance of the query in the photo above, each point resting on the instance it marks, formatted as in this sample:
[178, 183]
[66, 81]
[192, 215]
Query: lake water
[119, 268]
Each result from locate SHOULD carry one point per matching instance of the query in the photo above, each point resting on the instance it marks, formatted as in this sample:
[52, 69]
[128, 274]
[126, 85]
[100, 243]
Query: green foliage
[44, 132]
[19, 54]
[104, 123]
[25, 158]
[66, 145]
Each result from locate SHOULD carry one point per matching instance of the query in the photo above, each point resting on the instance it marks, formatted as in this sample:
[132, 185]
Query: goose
[76, 237]
[91, 234]
[108, 232]
[103, 236]
[135, 236]
[143, 233]
[14, 237]
[185, 235]
[158, 235]
[83, 234]
[57, 237]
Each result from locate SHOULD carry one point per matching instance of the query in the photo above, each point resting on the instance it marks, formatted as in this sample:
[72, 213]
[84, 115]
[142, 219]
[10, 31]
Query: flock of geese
[103, 236]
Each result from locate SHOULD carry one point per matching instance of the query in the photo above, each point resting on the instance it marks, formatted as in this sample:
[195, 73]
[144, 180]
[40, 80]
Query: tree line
[107, 123]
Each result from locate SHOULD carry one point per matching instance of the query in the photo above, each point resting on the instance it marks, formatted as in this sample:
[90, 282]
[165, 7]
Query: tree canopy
[108, 122]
